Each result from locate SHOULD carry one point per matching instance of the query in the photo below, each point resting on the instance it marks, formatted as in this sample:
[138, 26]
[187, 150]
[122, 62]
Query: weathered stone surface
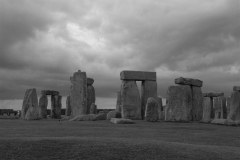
[89, 117]
[208, 112]
[121, 121]
[30, 99]
[138, 75]
[118, 104]
[148, 89]
[90, 97]
[189, 81]
[220, 121]
[113, 114]
[234, 115]
[130, 100]
[93, 109]
[151, 112]
[197, 107]
[228, 105]
[90, 81]
[48, 92]
[179, 106]
[56, 107]
[220, 109]
[43, 103]
[100, 116]
[236, 88]
[78, 97]
[32, 113]
[213, 94]
[68, 107]
[160, 109]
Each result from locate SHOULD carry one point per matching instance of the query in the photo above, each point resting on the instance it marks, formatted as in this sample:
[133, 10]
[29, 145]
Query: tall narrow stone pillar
[130, 100]
[78, 96]
[197, 108]
[43, 103]
[56, 106]
[118, 105]
[93, 109]
[207, 110]
[234, 115]
[160, 109]
[68, 106]
[90, 94]
[149, 89]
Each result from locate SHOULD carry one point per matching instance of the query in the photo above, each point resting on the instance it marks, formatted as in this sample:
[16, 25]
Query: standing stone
[118, 105]
[160, 109]
[208, 113]
[56, 107]
[149, 89]
[32, 113]
[130, 100]
[234, 115]
[93, 109]
[236, 88]
[220, 110]
[30, 99]
[228, 106]
[43, 103]
[179, 106]
[189, 81]
[90, 97]
[68, 107]
[197, 108]
[151, 112]
[78, 97]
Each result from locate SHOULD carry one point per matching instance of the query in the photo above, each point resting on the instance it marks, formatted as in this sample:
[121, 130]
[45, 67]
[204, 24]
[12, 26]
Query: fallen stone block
[102, 116]
[179, 104]
[213, 94]
[121, 121]
[189, 81]
[113, 114]
[236, 88]
[151, 112]
[220, 121]
[88, 117]
[138, 75]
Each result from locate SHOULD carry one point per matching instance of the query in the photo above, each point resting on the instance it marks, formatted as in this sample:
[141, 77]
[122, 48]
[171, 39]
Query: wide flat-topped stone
[121, 121]
[138, 75]
[189, 81]
[213, 94]
[236, 88]
[48, 92]
[90, 81]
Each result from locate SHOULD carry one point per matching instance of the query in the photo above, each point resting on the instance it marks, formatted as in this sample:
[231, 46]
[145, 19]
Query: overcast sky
[43, 42]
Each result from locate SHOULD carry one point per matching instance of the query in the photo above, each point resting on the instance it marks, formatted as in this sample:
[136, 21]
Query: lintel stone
[138, 75]
[189, 81]
[48, 92]
[213, 94]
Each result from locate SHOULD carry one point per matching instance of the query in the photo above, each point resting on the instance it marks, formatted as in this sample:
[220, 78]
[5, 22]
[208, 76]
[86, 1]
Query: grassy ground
[53, 139]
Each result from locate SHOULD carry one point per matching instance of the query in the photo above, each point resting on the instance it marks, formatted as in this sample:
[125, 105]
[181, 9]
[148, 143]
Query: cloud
[44, 42]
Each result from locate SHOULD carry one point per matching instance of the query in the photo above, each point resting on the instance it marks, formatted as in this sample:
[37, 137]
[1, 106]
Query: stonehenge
[151, 112]
[90, 94]
[56, 106]
[131, 104]
[184, 102]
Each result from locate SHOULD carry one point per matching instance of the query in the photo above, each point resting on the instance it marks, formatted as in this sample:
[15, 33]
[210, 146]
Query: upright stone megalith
[118, 104]
[93, 108]
[90, 94]
[160, 109]
[208, 114]
[179, 106]
[56, 107]
[78, 96]
[220, 110]
[68, 107]
[43, 103]
[151, 112]
[30, 100]
[234, 115]
[130, 100]
[197, 108]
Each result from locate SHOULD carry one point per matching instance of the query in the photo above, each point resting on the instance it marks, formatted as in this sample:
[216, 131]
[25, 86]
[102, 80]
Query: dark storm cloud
[44, 42]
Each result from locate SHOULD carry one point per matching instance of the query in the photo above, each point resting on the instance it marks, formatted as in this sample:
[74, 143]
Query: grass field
[53, 139]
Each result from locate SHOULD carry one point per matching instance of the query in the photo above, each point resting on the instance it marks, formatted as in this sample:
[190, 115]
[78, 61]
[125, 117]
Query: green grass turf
[53, 139]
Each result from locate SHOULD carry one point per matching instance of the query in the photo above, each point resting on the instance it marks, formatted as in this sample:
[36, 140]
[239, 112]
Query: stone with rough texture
[234, 115]
[93, 109]
[48, 92]
[179, 104]
[43, 103]
[56, 107]
[151, 111]
[32, 113]
[90, 97]
[30, 99]
[130, 100]
[100, 116]
[213, 94]
[189, 81]
[121, 121]
[90, 81]
[160, 109]
[197, 108]
[89, 117]
[220, 109]
[118, 105]
[220, 121]
[138, 75]
[78, 97]
[68, 107]
[236, 88]
[113, 114]
[228, 105]
[148, 89]
[208, 112]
